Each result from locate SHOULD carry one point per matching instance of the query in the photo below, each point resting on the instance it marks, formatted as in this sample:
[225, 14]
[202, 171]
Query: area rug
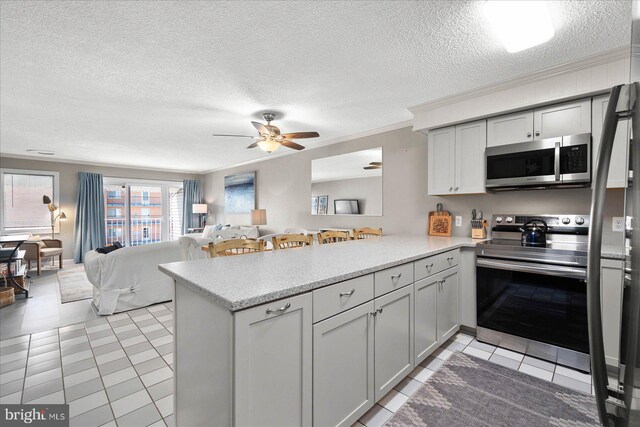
[467, 391]
[74, 285]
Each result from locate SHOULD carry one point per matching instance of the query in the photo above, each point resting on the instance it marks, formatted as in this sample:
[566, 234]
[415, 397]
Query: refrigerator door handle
[594, 313]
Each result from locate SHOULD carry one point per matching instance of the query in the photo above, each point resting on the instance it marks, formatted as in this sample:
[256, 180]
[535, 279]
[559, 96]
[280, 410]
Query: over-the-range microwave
[564, 160]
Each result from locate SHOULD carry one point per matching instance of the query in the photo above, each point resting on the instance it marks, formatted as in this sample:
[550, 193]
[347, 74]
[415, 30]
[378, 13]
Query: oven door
[539, 302]
[527, 163]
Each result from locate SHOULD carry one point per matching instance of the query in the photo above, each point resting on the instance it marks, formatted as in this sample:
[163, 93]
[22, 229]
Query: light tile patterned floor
[388, 405]
[115, 370]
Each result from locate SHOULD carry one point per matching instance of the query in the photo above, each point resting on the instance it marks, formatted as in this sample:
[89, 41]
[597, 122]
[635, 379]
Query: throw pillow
[37, 239]
[110, 248]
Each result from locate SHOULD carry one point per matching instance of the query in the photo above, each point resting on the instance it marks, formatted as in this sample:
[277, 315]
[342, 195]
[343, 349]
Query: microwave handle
[557, 162]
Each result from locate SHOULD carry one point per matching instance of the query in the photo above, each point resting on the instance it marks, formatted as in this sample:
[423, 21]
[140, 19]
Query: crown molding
[364, 134]
[104, 165]
[601, 58]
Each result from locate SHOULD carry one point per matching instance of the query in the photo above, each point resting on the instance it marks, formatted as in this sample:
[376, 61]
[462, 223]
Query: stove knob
[579, 220]
[509, 219]
[499, 219]
[566, 220]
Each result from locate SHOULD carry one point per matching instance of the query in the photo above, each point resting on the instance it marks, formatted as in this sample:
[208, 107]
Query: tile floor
[118, 370]
[388, 405]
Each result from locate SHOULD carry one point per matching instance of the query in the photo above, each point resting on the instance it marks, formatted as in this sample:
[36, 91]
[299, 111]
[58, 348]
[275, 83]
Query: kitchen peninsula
[312, 335]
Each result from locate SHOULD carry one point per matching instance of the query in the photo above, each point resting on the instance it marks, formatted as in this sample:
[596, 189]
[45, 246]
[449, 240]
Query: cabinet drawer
[393, 278]
[342, 296]
[435, 264]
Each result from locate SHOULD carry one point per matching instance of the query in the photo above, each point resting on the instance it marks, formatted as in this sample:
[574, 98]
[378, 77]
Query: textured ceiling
[146, 83]
[346, 166]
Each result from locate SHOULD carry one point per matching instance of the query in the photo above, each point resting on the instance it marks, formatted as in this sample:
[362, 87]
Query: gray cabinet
[425, 327]
[273, 370]
[611, 275]
[456, 159]
[570, 118]
[447, 304]
[343, 367]
[441, 160]
[618, 167]
[510, 129]
[393, 328]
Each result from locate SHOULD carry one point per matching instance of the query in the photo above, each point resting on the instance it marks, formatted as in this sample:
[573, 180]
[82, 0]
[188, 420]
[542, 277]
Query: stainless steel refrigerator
[617, 389]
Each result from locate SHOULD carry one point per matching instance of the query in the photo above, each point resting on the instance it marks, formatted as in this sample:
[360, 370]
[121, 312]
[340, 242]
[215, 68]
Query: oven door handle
[525, 267]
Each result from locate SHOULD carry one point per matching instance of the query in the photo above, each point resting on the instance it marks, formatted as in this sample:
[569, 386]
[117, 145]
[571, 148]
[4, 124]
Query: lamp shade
[46, 200]
[199, 208]
[258, 216]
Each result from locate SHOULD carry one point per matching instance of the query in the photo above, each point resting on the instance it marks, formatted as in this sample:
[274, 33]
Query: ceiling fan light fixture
[269, 145]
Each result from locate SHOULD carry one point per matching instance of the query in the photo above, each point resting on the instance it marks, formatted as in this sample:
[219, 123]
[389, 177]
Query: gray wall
[368, 192]
[283, 186]
[69, 185]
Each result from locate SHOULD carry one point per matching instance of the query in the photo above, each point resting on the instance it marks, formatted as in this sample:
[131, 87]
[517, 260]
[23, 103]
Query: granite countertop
[244, 281]
[613, 252]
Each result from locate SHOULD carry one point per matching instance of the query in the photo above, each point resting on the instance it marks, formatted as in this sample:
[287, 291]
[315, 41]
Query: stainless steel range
[532, 296]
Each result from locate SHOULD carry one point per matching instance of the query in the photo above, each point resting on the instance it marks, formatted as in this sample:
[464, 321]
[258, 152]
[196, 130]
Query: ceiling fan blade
[372, 167]
[235, 136]
[261, 128]
[375, 163]
[300, 135]
[254, 145]
[292, 144]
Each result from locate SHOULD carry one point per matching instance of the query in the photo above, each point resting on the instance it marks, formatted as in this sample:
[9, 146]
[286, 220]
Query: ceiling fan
[373, 165]
[269, 138]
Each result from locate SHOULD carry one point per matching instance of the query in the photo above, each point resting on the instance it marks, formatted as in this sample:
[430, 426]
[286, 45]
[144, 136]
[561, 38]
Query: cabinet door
[447, 305]
[273, 353]
[441, 161]
[571, 118]
[471, 141]
[393, 339]
[618, 167]
[611, 275]
[510, 129]
[343, 367]
[425, 329]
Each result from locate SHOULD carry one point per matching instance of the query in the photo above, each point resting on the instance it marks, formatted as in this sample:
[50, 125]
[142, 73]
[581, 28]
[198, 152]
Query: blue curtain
[89, 232]
[192, 194]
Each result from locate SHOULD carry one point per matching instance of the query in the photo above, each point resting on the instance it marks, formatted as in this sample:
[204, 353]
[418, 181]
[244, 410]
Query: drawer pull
[450, 259]
[379, 311]
[396, 276]
[429, 267]
[279, 310]
[347, 294]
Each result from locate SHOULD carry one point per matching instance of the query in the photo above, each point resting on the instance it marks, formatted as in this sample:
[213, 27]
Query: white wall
[283, 188]
[69, 186]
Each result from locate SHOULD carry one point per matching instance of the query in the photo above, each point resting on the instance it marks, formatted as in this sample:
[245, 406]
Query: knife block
[481, 232]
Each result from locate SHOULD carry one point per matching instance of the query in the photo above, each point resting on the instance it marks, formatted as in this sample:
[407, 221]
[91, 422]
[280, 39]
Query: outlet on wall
[618, 224]
[458, 221]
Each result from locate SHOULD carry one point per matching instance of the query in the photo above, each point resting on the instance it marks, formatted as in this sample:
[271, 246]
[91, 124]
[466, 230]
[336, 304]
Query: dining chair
[285, 241]
[333, 236]
[367, 233]
[236, 247]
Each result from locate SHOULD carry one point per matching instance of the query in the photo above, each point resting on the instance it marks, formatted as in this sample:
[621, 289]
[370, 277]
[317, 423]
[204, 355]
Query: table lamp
[201, 210]
[258, 217]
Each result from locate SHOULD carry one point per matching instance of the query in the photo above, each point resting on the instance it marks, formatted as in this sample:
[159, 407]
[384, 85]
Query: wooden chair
[367, 233]
[285, 241]
[235, 247]
[333, 236]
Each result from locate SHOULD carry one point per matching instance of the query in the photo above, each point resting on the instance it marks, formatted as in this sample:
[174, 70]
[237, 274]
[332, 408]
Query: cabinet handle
[429, 267]
[347, 294]
[537, 133]
[279, 310]
[528, 134]
[455, 189]
[374, 313]
[450, 259]
[450, 189]
[379, 311]
[396, 276]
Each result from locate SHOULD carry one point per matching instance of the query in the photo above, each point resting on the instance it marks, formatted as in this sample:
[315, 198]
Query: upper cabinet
[618, 165]
[570, 118]
[509, 129]
[456, 159]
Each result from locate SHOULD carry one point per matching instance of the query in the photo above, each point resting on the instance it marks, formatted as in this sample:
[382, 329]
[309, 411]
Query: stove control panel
[567, 223]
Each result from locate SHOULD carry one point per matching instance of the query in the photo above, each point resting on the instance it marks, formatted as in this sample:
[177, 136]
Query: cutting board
[440, 223]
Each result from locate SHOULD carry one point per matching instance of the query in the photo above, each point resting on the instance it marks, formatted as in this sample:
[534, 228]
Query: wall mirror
[347, 184]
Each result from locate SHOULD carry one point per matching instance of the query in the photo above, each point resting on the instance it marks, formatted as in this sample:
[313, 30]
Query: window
[22, 207]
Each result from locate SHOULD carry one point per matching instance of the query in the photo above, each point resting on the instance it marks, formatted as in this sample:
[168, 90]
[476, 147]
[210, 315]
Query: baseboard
[468, 330]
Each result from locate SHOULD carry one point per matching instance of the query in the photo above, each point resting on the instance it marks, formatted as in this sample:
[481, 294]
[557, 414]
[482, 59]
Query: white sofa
[193, 242]
[129, 278]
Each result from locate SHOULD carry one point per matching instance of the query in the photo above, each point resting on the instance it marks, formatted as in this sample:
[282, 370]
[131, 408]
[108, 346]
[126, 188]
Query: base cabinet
[426, 333]
[393, 328]
[273, 371]
[447, 304]
[343, 367]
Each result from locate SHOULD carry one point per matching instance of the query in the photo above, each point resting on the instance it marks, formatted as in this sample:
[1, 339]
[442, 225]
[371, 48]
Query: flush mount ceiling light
[520, 25]
[42, 152]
